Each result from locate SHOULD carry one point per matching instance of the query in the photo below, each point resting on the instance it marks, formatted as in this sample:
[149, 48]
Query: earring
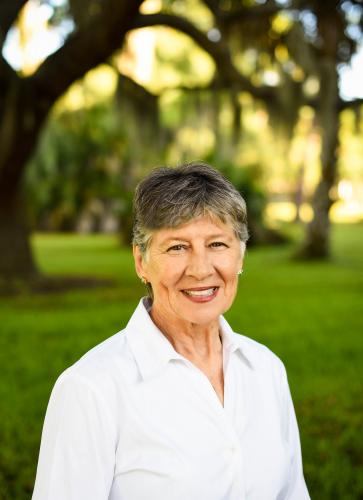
[240, 271]
[143, 279]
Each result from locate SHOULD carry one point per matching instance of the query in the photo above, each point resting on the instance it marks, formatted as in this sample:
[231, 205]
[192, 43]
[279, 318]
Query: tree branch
[213, 6]
[136, 88]
[227, 72]
[9, 10]
[211, 87]
[91, 45]
[242, 14]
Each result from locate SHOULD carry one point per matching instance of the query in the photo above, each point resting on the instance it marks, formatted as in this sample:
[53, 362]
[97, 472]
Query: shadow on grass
[53, 284]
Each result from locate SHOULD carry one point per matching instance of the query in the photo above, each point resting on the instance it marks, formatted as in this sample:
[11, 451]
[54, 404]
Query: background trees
[285, 55]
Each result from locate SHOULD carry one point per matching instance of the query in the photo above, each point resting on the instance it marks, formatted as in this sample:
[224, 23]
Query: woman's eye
[217, 244]
[176, 248]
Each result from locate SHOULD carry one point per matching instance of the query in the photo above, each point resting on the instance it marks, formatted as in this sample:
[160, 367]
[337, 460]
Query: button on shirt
[135, 420]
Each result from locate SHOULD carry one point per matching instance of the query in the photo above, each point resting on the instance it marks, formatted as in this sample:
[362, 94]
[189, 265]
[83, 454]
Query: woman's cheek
[174, 270]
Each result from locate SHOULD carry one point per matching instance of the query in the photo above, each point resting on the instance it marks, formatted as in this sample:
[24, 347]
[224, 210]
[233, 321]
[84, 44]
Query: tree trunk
[20, 125]
[16, 259]
[317, 238]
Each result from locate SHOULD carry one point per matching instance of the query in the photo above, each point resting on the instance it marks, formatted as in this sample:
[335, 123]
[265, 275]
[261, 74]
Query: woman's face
[192, 269]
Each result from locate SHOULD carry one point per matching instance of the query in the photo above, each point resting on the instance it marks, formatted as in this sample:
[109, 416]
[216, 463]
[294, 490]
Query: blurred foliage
[78, 161]
[90, 158]
[247, 180]
[95, 149]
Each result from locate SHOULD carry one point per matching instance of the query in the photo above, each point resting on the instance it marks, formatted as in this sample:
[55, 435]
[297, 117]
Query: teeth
[200, 293]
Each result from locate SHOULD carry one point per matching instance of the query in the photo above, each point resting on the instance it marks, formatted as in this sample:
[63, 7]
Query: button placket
[230, 435]
[224, 418]
[208, 394]
[223, 421]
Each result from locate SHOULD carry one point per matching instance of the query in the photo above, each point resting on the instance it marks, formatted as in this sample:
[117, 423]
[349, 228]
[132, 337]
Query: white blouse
[135, 420]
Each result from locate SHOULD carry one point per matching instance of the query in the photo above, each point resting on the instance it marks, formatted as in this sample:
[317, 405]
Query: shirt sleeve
[77, 452]
[296, 488]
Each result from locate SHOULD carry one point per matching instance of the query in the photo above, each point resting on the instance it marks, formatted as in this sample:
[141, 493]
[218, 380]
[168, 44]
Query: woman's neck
[189, 339]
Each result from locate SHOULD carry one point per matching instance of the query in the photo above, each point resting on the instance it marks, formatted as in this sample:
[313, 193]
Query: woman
[177, 405]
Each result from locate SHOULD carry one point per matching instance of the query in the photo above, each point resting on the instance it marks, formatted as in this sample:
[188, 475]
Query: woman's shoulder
[107, 365]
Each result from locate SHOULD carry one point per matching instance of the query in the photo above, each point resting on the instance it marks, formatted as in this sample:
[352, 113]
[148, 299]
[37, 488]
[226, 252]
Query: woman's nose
[199, 265]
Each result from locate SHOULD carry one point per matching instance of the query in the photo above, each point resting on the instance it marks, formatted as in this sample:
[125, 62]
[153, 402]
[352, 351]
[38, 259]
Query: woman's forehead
[203, 226]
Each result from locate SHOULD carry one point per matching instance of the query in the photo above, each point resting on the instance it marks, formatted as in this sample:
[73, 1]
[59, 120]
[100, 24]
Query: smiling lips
[201, 294]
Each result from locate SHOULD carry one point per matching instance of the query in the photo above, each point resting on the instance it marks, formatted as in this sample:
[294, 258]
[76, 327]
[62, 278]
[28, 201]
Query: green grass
[308, 314]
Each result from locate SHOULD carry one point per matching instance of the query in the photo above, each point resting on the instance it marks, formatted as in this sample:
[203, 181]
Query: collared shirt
[135, 420]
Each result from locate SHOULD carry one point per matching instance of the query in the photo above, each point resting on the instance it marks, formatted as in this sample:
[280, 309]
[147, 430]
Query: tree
[321, 36]
[332, 45]
[25, 103]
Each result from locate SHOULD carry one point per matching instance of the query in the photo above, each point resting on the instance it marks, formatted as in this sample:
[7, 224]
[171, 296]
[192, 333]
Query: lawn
[310, 315]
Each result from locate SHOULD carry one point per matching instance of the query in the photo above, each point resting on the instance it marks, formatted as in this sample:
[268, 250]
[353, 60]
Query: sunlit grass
[308, 314]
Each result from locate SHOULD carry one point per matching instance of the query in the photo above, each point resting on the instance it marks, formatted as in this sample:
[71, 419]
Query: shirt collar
[235, 342]
[152, 350]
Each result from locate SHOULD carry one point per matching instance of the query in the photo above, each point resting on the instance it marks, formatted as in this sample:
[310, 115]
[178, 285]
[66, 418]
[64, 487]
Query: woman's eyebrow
[183, 239]
[172, 239]
[219, 235]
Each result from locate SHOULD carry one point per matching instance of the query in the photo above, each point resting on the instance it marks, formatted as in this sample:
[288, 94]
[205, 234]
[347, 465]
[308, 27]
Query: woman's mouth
[200, 294]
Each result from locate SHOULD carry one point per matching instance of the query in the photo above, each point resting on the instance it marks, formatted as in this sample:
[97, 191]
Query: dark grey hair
[169, 197]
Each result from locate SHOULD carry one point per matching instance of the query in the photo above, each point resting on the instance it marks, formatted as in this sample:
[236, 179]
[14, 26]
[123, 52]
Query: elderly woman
[176, 406]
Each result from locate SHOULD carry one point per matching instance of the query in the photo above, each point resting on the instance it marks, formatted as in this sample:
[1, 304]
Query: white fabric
[134, 420]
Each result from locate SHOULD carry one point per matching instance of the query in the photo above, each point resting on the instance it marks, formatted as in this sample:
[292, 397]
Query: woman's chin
[202, 311]
[197, 309]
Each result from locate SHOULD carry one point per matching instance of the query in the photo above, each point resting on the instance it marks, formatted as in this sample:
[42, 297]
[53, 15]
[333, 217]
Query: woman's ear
[139, 262]
[243, 249]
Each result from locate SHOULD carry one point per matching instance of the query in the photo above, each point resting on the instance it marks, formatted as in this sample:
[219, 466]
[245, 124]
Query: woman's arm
[77, 452]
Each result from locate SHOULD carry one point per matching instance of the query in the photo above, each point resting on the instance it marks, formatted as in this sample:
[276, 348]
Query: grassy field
[308, 314]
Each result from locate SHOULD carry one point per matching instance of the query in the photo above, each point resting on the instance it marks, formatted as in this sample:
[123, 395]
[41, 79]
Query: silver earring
[144, 281]
[240, 271]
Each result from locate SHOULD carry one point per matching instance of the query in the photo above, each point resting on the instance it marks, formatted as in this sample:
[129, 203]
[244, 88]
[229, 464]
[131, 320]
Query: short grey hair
[169, 197]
